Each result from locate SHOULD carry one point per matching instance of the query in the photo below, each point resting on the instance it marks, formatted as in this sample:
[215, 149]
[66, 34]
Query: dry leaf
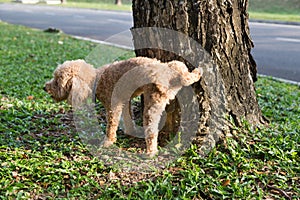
[30, 97]
[226, 182]
[102, 183]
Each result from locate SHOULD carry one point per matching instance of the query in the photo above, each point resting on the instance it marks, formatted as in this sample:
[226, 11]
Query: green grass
[97, 5]
[288, 10]
[274, 16]
[93, 4]
[275, 6]
[41, 155]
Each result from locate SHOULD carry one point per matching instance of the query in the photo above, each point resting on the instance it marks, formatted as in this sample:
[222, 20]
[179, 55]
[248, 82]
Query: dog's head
[71, 81]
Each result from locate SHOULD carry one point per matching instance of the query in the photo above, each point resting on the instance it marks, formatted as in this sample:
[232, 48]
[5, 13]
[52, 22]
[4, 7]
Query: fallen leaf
[61, 110]
[102, 183]
[226, 182]
[282, 173]
[30, 97]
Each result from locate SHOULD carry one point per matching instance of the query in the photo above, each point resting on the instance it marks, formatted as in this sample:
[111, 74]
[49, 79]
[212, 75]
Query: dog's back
[110, 74]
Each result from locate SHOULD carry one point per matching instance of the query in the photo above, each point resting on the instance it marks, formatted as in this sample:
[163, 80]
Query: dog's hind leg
[155, 104]
[113, 119]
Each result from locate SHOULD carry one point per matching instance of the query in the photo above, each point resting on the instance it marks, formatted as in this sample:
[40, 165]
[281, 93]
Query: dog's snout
[44, 88]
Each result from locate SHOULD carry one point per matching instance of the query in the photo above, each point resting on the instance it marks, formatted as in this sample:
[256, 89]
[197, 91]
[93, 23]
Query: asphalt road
[276, 51]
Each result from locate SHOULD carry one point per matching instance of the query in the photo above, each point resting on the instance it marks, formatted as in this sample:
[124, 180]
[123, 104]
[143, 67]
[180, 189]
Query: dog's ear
[80, 92]
[65, 73]
[65, 79]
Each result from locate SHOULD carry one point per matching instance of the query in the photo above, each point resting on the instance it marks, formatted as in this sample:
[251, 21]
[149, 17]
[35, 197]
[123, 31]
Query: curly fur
[74, 80]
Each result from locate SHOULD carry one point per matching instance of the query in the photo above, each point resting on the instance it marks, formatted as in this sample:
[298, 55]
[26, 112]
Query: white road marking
[78, 16]
[118, 21]
[281, 80]
[28, 10]
[50, 13]
[287, 39]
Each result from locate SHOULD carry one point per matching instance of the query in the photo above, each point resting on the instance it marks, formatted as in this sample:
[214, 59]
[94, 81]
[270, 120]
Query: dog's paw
[107, 142]
[152, 153]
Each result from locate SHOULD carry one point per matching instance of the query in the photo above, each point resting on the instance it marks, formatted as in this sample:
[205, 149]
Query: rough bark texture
[221, 27]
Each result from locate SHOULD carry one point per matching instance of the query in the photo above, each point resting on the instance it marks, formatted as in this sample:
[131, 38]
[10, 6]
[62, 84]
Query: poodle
[117, 83]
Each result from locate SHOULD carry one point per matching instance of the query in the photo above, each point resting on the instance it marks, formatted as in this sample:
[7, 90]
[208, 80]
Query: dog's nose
[44, 88]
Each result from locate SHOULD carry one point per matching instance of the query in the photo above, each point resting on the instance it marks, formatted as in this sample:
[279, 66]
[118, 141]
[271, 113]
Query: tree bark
[221, 27]
[118, 2]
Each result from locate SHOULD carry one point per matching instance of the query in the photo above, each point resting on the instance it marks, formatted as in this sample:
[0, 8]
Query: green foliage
[102, 1]
[282, 10]
[41, 155]
[275, 6]
[98, 5]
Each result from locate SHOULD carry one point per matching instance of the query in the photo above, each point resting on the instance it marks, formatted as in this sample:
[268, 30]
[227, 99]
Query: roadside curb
[129, 48]
[275, 22]
[280, 79]
[101, 42]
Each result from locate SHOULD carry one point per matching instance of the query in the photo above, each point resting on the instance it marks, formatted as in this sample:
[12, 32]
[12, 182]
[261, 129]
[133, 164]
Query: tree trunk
[118, 2]
[221, 28]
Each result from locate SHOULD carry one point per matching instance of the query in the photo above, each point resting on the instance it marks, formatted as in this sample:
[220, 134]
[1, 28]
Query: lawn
[275, 10]
[93, 4]
[103, 5]
[42, 156]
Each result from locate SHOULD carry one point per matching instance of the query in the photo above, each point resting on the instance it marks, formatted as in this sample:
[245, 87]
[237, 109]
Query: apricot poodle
[116, 84]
